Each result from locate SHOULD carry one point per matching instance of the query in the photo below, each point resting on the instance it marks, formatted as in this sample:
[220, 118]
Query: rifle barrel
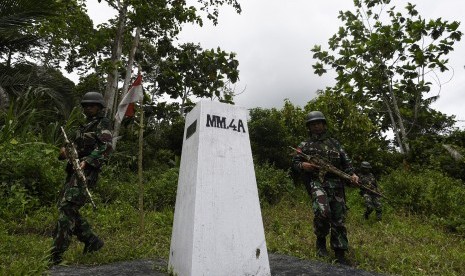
[73, 158]
[329, 167]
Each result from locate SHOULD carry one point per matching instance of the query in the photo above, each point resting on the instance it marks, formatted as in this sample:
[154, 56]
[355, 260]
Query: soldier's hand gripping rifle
[73, 158]
[325, 167]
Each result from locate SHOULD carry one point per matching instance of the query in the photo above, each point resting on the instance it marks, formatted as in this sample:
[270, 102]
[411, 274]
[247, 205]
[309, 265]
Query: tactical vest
[368, 180]
[325, 147]
[87, 136]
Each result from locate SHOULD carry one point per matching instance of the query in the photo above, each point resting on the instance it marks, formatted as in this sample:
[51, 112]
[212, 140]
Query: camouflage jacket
[331, 151]
[368, 180]
[93, 141]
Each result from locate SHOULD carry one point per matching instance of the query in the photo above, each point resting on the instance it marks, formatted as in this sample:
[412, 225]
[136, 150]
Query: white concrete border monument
[218, 228]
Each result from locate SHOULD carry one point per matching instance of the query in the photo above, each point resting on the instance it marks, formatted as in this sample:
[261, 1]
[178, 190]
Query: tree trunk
[127, 79]
[183, 102]
[400, 121]
[112, 78]
[417, 102]
[4, 100]
[393, 108]
[8, 61]
[395, 129]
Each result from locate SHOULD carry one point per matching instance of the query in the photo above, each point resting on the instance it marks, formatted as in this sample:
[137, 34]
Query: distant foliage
[428, 193]
[269, 137]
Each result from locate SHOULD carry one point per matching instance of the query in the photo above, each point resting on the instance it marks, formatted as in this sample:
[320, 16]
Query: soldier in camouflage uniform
[93, 143]
[372, 201]
[327, 194]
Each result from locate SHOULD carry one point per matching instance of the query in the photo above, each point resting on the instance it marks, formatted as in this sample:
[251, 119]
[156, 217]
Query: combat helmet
[93, 97]
[365, 165]
[315, 116]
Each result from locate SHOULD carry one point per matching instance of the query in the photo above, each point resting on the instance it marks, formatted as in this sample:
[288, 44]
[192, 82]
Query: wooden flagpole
[140, 171]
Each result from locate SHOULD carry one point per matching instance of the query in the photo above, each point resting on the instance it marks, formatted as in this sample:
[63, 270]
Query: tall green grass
[420, 234]
[400, 244]
[25, 245]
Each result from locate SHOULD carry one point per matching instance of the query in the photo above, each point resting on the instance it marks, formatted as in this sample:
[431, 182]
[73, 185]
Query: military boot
[94, 244]
[56, 258]
[367, 214]
[340, 257]
[378, 216]
[321, 250]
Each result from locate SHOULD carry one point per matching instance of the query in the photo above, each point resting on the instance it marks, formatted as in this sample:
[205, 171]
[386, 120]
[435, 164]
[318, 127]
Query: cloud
[273, 38]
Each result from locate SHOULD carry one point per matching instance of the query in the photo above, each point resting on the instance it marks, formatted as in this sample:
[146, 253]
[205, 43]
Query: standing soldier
[327, 193]
[93, 144]
[372, 200]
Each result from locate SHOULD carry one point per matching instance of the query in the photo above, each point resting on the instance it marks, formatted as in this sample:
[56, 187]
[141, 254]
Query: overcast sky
[273, 38]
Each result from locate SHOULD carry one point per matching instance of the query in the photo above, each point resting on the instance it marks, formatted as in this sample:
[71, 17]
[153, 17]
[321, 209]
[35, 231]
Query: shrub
[30, 176]
[115, 184]
[429, 193]
[160, 189]
[272, 183]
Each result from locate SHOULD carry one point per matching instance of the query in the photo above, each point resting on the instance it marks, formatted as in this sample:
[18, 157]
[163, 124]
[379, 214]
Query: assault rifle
[73, 158]
[325, 167]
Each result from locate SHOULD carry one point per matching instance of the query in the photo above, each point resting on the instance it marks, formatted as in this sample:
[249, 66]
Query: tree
[153, 21]
[192, 71]
[16, 19]
[72, 42]
[294, 118]
[41, 32]
[156, 20]
[39, 92]
[272, 130]
[383, 60]
[269, 137]
[16, 16]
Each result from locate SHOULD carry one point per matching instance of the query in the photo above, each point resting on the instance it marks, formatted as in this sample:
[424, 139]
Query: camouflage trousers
[372, 202]
[70, 222]
[329, 210]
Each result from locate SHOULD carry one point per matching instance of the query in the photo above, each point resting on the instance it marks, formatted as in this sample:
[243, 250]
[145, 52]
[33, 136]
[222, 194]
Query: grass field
[400, 244]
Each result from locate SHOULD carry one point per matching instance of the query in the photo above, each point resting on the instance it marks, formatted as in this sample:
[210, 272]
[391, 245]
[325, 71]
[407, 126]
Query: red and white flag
[126, 106]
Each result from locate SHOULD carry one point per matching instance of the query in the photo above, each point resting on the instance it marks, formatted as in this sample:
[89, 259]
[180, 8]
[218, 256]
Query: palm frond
[16, 16]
